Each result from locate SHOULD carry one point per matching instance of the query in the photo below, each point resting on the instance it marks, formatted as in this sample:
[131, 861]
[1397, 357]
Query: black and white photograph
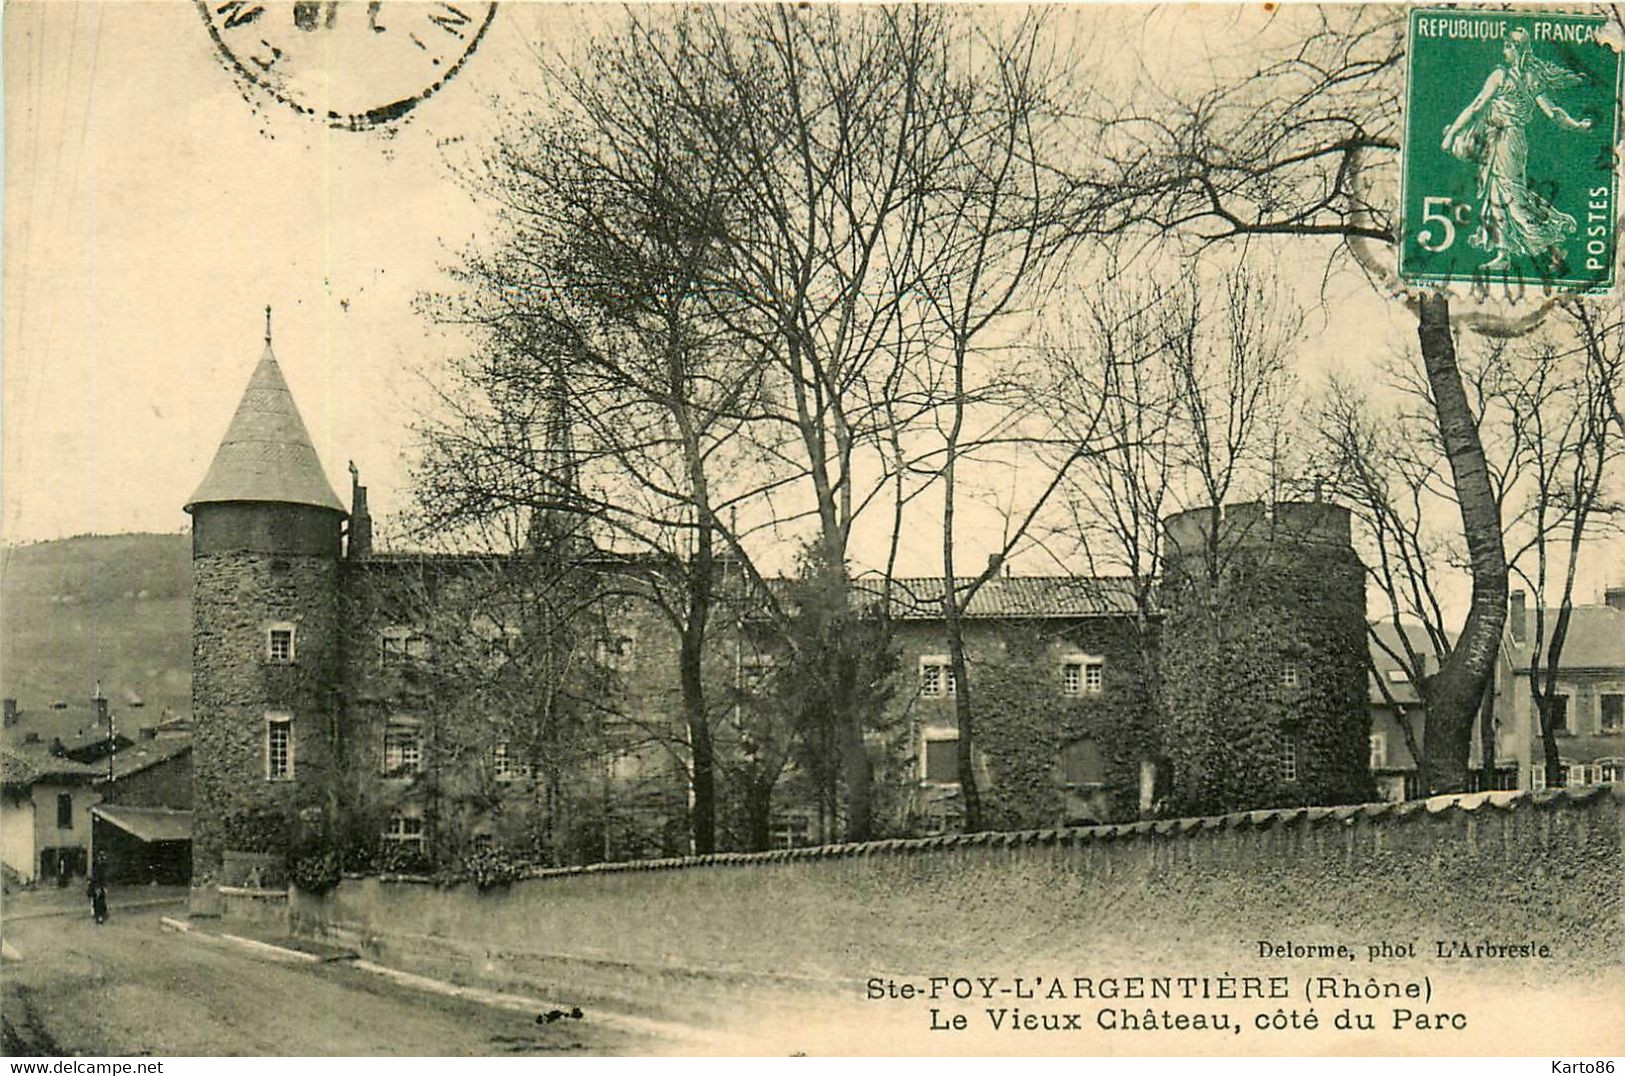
[754, 529]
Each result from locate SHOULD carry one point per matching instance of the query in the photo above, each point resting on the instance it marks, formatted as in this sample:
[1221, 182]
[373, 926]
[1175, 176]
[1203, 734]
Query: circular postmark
[348, 63]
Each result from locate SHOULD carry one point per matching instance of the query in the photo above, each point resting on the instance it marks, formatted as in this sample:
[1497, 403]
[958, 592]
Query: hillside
[110, 607]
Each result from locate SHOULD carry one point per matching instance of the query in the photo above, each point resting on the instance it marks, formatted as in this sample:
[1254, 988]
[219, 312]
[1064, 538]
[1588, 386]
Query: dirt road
[128, 988]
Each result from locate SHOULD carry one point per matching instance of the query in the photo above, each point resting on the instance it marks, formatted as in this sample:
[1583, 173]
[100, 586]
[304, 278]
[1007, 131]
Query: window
[1082, 764]
[279, 644]
[400, 646]
[1608, 770]
[936, 678]
[1398, 676]
[64, 810]
[790, 830]
[506, 763]
[1289, 755]
[483, 842]
[405, 828]
[1379, 750]
[1082, 675]
[1504, 779]
[279, 748]
[1613, 713]
[1576, 774]
[1289, 676]
[617, 653]
[403, 748]
[1537, 776]
[755, 674]
[939, 757]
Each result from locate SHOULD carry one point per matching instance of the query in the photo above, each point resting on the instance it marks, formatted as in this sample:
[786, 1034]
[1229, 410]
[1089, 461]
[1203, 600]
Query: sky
[153, 209]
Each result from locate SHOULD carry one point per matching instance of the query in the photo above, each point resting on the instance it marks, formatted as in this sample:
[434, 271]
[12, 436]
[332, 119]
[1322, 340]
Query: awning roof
[149, 824]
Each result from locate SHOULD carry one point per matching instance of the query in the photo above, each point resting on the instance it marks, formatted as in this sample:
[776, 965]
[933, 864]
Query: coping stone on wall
[1175, 828]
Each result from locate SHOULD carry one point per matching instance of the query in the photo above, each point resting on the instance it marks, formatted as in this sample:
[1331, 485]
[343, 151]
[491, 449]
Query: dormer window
[279, 644]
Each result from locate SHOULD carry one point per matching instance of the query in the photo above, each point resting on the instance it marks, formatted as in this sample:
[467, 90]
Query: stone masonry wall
[235, 597]
[1544, 867]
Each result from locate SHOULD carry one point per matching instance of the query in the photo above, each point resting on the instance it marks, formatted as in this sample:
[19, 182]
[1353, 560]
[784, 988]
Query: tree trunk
[1454, 693]
[691, 673]
[758, 813]
[1556, 774]
[702, 813]
[964, 717]
[859, 778]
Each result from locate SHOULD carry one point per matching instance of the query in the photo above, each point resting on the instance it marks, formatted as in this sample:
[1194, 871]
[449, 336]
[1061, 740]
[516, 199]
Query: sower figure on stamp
[1512, 219]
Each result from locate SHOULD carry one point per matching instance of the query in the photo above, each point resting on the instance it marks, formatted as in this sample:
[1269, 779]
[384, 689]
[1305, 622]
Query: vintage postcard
[753, 529]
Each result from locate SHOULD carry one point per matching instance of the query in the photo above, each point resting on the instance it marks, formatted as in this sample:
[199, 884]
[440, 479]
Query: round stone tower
[266, 532]
[1263, 659]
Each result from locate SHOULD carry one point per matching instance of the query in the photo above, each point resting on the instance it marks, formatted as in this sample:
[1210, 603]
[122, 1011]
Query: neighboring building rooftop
[149, 824]
[23, 765]
[267, 454]
[143, 756]
[1018, 597]
[1395, 676]
[1595, 639]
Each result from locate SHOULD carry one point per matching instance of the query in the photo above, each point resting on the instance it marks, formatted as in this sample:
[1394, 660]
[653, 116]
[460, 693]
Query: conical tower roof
[267, 454]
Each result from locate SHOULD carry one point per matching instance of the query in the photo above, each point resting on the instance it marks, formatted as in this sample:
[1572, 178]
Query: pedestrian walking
[97, 891]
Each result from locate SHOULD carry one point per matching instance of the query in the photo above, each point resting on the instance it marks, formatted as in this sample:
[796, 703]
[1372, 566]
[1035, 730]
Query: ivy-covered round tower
[266, 534]
[1264, 658]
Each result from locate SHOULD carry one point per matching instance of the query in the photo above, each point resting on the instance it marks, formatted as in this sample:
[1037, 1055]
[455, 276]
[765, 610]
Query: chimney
[10, 712]
[1614, 597]
[98, 703]
[148, 732]
[360, 519]
[1515, 614]
[995, 561]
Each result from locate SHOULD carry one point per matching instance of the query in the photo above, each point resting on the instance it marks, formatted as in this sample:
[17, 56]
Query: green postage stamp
[1508, 169]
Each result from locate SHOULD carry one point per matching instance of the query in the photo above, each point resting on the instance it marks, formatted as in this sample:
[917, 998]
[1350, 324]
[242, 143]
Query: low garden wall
[1524, 867]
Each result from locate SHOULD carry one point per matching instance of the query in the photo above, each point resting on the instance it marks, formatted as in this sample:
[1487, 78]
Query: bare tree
[719, 255]
[1195, 391]
[1544, 405]
[1563, 404]
[599, 342]
[996, 213]
[1261, 152]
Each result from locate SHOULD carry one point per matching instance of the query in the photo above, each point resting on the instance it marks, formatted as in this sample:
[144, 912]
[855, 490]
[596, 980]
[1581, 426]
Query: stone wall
[1501, 866]
[236, 597]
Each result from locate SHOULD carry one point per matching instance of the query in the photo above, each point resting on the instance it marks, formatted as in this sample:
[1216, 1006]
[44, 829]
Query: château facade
[422, 707]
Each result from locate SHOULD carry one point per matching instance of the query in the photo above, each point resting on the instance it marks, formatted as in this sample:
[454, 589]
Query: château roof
[267, 454]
